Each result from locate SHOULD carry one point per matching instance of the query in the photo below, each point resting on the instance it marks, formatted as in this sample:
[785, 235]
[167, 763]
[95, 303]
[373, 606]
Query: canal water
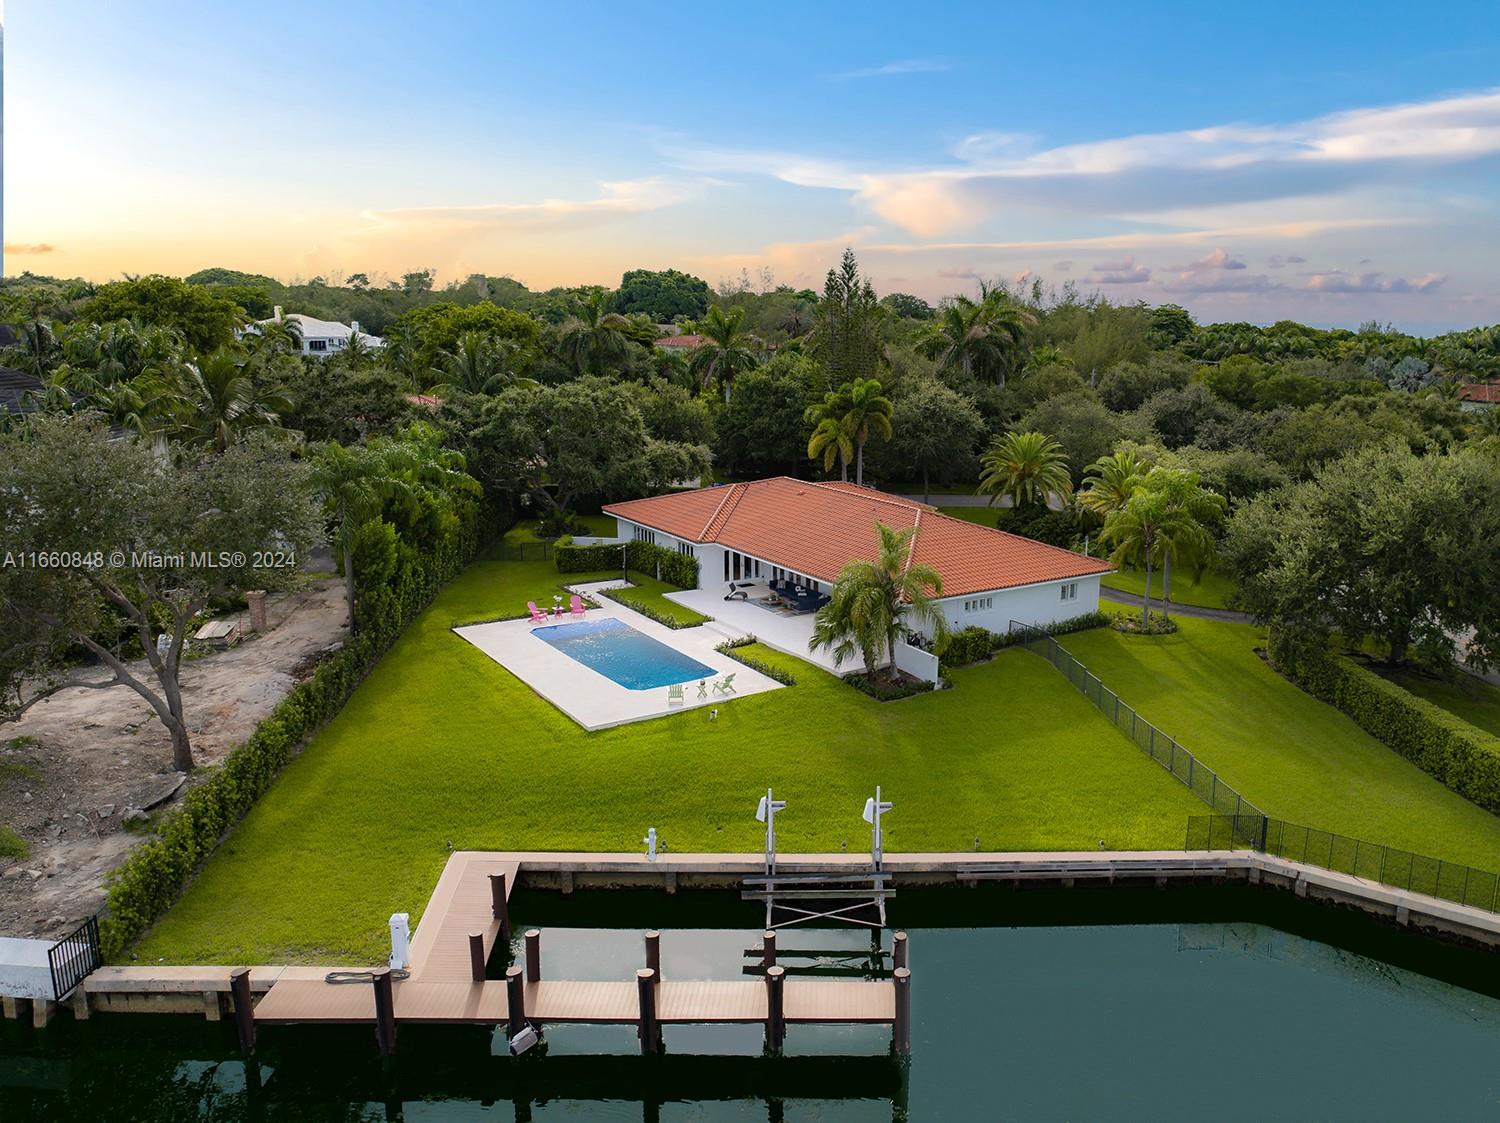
[1086, 1004]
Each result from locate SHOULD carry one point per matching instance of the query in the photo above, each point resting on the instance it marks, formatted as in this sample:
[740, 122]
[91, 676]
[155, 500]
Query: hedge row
[650, 612]
[643, 557]
[731, 649]
[1462, 756]
[975, 644]
[885, 691]
[156, 872]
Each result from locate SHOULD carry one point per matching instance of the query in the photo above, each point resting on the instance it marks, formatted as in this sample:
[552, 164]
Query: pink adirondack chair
[575, 606]
[537, 615]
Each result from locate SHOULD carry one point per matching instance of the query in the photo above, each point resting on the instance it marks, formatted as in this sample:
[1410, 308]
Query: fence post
[1213, 794]
[1190, 768]
[1265, 824]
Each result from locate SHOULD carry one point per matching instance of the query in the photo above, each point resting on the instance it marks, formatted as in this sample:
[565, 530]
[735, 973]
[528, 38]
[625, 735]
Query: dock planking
[440, 988]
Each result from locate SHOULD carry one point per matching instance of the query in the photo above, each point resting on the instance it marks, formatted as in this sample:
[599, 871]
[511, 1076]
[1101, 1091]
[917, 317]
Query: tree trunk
[859, 462]
[843, 467]
[349, 575]
[726, 391]
[926, 486]
[1146, 599]
[1166, 584]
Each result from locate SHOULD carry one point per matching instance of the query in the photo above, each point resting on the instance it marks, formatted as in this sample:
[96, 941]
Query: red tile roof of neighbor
[816, 528]
[688, 341]
[1485, 392]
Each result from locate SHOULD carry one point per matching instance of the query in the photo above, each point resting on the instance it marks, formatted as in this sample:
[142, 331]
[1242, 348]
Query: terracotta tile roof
[1487, 393]
[817, 528]
[687, 341]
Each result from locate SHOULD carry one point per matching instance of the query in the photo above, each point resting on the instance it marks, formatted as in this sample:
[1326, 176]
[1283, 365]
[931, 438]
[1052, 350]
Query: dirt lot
[75, 766]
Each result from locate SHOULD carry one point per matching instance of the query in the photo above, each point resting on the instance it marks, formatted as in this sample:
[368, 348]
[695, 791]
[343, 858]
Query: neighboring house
[785, 529]
[18, 391]
[321, 338]
[1479, 395]
[681, 344]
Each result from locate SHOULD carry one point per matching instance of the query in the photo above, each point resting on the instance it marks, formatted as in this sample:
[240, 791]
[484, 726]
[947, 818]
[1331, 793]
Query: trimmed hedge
[1464, 757]
[730, 648]
[644, 557]
[651, 613]
[888, 691]
[156, 872]
[975, 644]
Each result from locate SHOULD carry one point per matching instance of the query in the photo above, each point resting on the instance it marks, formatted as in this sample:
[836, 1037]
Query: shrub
[1157, 624]
[157, 871]
[967, 646]
[1080, 623]
[731, 648]
[886, 690]
[645, 557]
[1462, 756]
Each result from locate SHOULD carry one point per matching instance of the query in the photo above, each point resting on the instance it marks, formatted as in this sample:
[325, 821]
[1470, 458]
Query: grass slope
[440, 744]
[1294, 756]
[1464, 696]
[1212, 592]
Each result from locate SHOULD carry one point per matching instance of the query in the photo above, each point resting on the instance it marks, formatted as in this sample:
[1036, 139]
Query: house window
[644, 535]
[685, 549]
[978, 604]
[317, 344]
[1070, 591]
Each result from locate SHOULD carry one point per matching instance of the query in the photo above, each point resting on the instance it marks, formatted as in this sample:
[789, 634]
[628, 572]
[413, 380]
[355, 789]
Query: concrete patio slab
[782, 631]
[593, 700]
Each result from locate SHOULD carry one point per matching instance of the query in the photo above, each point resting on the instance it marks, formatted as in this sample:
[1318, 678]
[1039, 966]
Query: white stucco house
[788, 531]
[321, 338]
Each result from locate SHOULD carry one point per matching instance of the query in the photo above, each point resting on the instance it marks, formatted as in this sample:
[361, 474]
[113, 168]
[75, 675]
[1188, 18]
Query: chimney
[276, 313]
[354, 327]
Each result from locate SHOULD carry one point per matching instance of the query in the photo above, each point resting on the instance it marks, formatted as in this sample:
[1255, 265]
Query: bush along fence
[1372, 861]
[643, 557]
[1460, 755]
[975, 644]
[1199, 778]
[157, 871]
[649, 612]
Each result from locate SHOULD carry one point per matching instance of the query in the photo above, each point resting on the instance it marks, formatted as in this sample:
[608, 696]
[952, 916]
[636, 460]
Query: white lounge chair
[725, 685]
[674, 694]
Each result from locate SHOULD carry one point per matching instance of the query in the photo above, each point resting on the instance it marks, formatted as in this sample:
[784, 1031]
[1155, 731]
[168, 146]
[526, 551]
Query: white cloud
[901, 66]
[1277, 260]
[1124, 271]
[1217, 260]
[1217, 282]
[616, 199]
[1340, 282]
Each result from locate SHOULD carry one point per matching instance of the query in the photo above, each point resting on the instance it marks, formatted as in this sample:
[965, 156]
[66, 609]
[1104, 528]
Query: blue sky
[1332, 163]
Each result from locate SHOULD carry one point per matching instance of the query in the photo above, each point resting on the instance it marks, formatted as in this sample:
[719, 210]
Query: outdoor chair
[537, 615]
[725, 685]
[575, 606]
[674, 694]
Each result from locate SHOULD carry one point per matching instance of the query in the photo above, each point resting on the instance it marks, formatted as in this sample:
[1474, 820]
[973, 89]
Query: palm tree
[1010, 324]
[830, 438]
[1111, 481]
[727, 351]
[1028, 467]
[869, 416]
[36, 350]
[978, 337]
[595, 337]
[480, 364]
[1184, 536]
[215, 399]
[874, 603]
[1135, 533]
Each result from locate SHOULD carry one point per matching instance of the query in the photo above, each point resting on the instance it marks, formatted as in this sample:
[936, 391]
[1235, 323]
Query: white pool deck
[788, 633]
[595, 701]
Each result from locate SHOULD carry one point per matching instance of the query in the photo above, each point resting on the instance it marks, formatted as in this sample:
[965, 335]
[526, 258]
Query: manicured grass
[441, 746]
[1292, 755]
[646, 593]
[984, 516]
[1463, 696]
[601, 526]
[1212, 592]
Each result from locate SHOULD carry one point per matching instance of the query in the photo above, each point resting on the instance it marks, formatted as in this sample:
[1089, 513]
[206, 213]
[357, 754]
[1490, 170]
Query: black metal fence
[74, 956]
[1372, 861]
[1199, 778]
[526, 551]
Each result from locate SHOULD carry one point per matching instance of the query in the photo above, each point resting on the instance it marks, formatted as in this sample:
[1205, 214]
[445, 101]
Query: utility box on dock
[400, 941]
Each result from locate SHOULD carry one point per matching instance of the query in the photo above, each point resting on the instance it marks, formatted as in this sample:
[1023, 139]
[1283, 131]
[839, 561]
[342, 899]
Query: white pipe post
[400, 941]
[650, 841]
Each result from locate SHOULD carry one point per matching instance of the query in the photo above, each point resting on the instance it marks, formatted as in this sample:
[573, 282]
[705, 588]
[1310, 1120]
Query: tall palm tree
[726, 352]
[978, 337]
[1135, 533]
[595, 337]
[874, 603]
[830, 438]
[1028, 467]
[215, 399]
[869, 416]
[479, 364]
[36, 350]
[1110, 481]
[1191, 509]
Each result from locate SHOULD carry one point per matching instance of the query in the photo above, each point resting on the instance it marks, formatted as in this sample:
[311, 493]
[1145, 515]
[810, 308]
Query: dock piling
[647, 1028]
[499, 905]
[533, 955]
[899, 949]
[476, 956]
[768, 949]
[653, 954]
[385, 1011]
[775, 1008]
[515, 1001]
[244, 1010]
[901, 1030]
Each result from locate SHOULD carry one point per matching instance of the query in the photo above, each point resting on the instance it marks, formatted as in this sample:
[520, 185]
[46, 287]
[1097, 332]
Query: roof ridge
[733, 491]
[916, 532]
[843, 487]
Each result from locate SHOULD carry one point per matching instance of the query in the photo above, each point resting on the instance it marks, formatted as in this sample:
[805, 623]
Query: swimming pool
[619, 652]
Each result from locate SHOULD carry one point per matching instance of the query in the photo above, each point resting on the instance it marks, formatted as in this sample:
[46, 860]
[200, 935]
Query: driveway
[1222, 614]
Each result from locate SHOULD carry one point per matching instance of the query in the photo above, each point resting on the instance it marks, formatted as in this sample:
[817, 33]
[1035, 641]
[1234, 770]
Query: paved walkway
[1222, 614]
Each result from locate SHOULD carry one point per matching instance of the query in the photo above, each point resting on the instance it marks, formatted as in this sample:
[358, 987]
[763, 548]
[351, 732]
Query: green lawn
[441, 745]
[984, 516]
[1463, 696]
[601, 526]
[646, 592]
[1293, 756]
[1212, 592]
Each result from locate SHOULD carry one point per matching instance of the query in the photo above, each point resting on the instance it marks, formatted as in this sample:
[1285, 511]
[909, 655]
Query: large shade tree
[874, 603]
[133, 543]
[937, 432]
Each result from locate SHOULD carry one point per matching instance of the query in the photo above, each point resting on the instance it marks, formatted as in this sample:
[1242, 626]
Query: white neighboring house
[801, 533]
[321, 338]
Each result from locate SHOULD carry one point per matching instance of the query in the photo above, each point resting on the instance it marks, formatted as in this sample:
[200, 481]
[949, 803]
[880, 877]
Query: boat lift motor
[874, 808]
[766, 813]
[400, 941]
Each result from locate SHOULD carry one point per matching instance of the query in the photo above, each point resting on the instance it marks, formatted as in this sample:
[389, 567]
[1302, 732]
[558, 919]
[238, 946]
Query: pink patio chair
[575, 606]
[537, 615]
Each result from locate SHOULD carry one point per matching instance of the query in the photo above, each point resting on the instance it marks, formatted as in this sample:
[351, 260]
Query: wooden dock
[445, 984]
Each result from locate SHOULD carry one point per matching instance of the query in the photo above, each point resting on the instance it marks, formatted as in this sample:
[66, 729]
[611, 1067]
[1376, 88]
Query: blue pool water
[618, 651]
